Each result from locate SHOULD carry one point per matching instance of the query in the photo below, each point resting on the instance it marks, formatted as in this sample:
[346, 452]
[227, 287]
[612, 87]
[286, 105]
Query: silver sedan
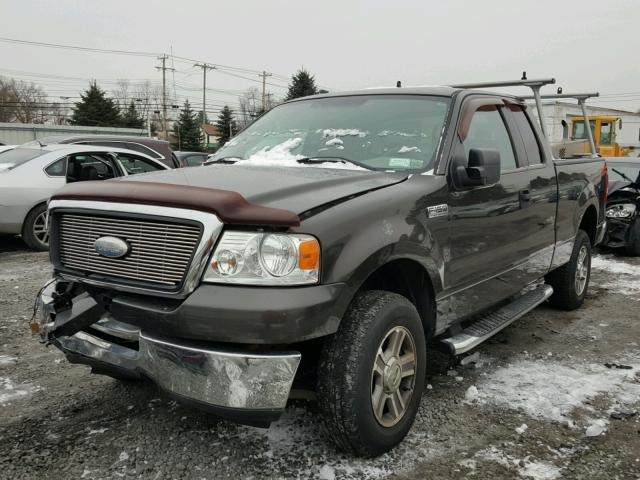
[30, 174]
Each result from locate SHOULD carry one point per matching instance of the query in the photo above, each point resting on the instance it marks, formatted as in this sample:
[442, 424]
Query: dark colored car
[324, 248]
[158, 149]
[623, 205]
[191, 159]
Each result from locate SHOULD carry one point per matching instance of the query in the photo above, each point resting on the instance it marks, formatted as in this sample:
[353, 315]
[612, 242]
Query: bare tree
[121, 94]
[250, 105]
[23, 102]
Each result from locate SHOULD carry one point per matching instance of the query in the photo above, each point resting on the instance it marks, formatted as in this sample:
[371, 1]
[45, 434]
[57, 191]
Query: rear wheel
[35, 230]
[371, 374]
[570, 282]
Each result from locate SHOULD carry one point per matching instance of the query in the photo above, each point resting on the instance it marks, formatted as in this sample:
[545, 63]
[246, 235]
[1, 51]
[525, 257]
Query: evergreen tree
[95, 109]
[187, 132]
[226, 125]
[302, 84]
[131, 118]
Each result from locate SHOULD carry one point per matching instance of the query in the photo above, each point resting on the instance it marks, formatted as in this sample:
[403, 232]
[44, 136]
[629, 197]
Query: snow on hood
[280, 156]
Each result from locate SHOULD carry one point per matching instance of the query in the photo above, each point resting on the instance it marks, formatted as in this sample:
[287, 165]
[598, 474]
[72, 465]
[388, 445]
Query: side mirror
[483, 168]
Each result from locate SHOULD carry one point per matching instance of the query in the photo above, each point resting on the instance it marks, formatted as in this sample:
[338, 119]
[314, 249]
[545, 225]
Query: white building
[555, 112]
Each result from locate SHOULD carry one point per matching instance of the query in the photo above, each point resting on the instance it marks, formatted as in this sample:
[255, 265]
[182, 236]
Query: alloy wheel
[393, 376]
[41, 228]
[582, 270]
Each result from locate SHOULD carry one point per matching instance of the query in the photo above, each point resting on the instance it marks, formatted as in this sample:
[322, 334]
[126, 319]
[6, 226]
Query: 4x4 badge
[438, 211]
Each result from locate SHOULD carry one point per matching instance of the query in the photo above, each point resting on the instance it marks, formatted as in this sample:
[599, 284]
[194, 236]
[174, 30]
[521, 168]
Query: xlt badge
[438, 211]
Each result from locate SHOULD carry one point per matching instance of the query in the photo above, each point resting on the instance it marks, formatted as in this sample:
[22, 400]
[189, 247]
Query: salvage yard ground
[555, 395]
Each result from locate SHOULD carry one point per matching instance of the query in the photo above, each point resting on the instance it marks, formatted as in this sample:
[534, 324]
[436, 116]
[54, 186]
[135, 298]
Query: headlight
[622, 210]
[264, 259]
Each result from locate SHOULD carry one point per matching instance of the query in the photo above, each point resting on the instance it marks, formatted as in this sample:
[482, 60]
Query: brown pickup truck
[325, 248]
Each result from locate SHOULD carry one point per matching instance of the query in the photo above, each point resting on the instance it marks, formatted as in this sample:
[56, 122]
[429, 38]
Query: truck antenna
[398, 84]
[524, 75]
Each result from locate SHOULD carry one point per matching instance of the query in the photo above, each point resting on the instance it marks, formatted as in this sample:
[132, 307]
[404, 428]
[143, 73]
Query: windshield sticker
[400, 162]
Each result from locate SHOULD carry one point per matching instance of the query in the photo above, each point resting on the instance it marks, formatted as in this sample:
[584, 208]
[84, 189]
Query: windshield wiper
[224, 160]
[312, 160]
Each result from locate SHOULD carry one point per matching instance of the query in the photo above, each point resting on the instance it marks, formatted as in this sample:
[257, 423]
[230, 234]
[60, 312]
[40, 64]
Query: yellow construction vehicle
[603, 129]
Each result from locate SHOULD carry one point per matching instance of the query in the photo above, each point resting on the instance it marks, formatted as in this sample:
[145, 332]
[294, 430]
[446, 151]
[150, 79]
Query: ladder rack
[533, 84]
[581, 98]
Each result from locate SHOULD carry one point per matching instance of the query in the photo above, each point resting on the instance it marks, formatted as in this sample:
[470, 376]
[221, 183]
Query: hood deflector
[230, 207]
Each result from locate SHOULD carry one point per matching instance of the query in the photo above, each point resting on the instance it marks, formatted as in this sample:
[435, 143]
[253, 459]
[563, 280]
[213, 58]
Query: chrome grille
[160, 252]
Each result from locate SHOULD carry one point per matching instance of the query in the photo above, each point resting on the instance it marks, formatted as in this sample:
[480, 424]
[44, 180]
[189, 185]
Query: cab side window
[488, 130]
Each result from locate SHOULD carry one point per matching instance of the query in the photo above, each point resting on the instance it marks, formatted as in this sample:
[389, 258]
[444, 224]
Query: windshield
[377, 132]
[12, 158]
[630, 171]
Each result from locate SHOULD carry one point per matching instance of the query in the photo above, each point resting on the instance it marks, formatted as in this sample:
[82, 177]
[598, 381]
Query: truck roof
[441, 91]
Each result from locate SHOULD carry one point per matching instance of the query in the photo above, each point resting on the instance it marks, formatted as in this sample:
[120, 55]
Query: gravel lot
[555, 395]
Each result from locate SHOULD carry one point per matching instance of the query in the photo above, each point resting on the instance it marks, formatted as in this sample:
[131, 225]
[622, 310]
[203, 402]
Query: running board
[491, 323]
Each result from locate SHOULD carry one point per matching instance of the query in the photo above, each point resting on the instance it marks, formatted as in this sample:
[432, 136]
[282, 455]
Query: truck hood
[296, 189]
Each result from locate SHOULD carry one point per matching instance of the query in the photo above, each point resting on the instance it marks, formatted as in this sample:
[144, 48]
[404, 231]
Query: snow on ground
[625, 278]
[525, 467]
[298, 434]
[9, 391]
[551, 391]
[7, 360]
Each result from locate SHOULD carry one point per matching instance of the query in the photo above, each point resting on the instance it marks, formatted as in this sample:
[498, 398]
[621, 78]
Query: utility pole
[204, 67]
[264, 76]
[164, 69]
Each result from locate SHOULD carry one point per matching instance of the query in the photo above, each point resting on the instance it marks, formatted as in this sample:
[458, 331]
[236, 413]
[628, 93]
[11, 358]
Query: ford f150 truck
[324, 248]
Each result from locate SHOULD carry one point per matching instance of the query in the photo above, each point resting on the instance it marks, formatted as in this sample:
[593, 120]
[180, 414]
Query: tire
[348, 381]
[568, 290]
[633, 246]
[35, 231]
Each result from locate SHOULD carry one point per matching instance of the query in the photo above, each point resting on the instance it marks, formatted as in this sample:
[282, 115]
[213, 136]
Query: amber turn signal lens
[309, 255]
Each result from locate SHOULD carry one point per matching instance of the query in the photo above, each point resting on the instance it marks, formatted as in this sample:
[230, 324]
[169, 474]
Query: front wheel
[570, 282]
[371, 374]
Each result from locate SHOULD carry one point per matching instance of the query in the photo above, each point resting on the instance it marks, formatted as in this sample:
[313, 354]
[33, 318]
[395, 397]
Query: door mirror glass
[483, 168]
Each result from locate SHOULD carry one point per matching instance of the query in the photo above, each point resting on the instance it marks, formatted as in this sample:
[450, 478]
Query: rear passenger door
[489, 224]
[543, 190]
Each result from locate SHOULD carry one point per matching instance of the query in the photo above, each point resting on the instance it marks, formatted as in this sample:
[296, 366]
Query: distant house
[211, 135]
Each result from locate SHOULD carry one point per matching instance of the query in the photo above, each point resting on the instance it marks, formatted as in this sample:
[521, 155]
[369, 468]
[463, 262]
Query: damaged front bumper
[247, 387]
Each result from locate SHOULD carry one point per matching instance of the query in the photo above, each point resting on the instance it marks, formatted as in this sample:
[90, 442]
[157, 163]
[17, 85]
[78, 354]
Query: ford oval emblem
[111, 247]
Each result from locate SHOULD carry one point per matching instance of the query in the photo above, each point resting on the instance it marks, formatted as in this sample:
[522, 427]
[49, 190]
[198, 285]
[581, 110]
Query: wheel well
[409, 279]
[589, 223]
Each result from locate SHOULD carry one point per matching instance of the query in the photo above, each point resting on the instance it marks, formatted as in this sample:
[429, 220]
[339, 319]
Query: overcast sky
[586, 45]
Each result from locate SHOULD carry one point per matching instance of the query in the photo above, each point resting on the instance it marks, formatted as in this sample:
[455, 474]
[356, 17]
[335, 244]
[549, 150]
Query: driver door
[488, 222]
